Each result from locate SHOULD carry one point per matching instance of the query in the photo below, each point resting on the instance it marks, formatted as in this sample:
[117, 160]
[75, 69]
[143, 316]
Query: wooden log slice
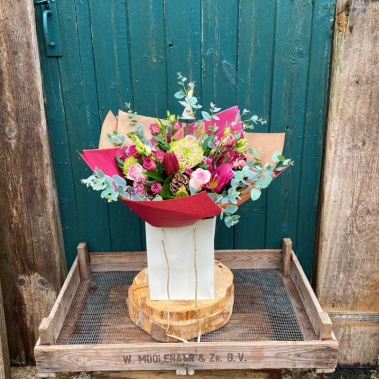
[151, 315]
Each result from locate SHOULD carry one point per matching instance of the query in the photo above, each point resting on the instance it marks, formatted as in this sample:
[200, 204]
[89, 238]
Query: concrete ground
[30, 372]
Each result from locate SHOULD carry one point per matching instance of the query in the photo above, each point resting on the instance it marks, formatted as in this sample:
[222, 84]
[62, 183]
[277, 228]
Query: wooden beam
[347, 275]
[5, 367]
[83, 260]
[32, 267]
[286, 256]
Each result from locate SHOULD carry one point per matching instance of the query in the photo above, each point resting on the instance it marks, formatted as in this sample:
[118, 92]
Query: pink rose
[177, 125]
[133, 152]
[198, 178]
[149, 164]
[154, 129]
[189, 136]
[135, 171]
[155, 188]
[159, 156]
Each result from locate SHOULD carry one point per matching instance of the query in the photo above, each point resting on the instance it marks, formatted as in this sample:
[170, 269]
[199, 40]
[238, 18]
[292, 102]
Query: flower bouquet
[177, 172]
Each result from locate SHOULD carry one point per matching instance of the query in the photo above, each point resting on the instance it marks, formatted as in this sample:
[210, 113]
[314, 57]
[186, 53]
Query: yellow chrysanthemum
[188, 152]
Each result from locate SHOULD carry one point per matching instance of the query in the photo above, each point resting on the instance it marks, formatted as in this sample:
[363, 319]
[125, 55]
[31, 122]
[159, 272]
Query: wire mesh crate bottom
[267, 307]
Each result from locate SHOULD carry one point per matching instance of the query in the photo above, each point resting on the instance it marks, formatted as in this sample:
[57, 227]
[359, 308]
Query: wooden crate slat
[319, 319]
[234, 259]
[51, 326]
[254, 355]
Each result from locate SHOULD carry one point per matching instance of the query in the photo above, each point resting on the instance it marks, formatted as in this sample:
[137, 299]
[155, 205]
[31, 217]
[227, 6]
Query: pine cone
[179, 180]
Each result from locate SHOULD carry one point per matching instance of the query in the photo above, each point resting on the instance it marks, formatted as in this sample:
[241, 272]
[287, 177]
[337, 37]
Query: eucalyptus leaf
[231, 209]
[99, 173]
[264, 182]
[228, 221]
[255, 194]
[206, 115]
[119, 181]
[180, 95]
[275, 156]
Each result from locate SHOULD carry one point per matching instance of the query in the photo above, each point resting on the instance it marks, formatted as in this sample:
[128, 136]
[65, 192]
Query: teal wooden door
[271, 57]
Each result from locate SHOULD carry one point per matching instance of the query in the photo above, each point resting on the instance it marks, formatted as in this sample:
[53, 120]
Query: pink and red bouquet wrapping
[173, 173]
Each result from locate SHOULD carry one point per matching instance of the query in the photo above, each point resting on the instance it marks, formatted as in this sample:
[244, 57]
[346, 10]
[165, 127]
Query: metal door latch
[50, 27]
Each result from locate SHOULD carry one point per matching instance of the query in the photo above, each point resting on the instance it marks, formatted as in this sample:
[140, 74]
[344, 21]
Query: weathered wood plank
[5, 366]
[32, 265]
[252, 355]
[51, 326]
[234, 259]
[348, 257]
[55, 113]
[319, 319]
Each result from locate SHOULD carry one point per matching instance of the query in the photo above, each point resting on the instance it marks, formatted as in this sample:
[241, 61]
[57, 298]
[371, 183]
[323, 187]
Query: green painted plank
[318, 73]
[255, 64]
[111, 57]
[148, 62]
[55, 114]
[219, 73]
[81, 110]
[183, 46]
[292, 40]
[148, 57]
[146, 24]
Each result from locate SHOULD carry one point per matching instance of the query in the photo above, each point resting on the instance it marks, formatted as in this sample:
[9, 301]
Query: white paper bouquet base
[190, 257]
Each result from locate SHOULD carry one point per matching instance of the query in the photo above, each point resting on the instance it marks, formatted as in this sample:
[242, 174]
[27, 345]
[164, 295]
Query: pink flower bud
[171, 163]
[154, 129]
[177, 125]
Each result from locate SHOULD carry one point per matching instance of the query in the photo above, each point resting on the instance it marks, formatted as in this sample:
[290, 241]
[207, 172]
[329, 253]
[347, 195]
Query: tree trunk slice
[151, 315]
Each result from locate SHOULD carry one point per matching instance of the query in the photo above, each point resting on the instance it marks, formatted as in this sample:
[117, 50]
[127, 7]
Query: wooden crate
[56, 352]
